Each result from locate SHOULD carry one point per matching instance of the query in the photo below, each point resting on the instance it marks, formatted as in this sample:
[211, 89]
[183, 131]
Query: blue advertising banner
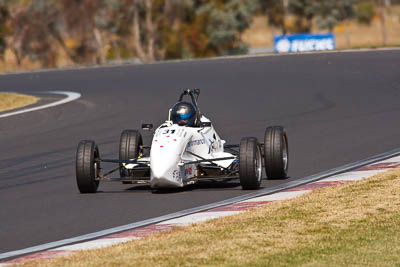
[304, 42]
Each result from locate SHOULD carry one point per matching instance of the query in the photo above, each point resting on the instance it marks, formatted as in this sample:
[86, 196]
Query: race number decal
[167, 131]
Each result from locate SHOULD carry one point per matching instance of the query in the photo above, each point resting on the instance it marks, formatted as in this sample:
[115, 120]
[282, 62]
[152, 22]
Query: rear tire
[87, 166]
[250, 163]
[129, 147]
[276, 152]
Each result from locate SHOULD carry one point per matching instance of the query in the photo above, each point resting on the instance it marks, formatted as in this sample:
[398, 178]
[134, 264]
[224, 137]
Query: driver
[184, 114]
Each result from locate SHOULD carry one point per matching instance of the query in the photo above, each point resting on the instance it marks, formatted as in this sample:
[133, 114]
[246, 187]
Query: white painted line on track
[395, 159]
[278, 196]
[71, 96]
[199, 217]
[94, 244]
[351, 176]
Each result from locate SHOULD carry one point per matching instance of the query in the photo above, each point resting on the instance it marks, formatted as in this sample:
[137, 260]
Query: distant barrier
[304, 42]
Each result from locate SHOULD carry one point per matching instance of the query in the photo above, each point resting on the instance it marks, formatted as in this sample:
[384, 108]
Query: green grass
[357, 224]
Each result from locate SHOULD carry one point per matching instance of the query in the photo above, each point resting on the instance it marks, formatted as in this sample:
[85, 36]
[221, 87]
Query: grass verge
[10, 101]
[355, 224]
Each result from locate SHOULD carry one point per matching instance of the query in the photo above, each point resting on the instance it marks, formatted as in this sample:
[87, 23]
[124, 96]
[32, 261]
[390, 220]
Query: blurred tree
[81, 39]
[304, 12]
[191, 28]
[90, 31]
[4, 28]
[151, 24]
[330, 13]
[113, 28]
[364, 12]
[224, 23]
[382, 16]
[144, 33]
[276, 11]
[37, 25]
[327, 14]
[29, 23]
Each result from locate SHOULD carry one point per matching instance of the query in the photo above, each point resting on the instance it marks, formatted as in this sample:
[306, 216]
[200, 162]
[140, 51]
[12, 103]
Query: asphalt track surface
[337, 108]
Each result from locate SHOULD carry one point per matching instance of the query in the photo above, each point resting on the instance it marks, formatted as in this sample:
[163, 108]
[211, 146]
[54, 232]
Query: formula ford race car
[185, 150]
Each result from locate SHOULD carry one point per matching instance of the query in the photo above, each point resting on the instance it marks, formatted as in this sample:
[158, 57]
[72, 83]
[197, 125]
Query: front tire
[87, 166]
[129, 147]
[276, 152]
[250, 163]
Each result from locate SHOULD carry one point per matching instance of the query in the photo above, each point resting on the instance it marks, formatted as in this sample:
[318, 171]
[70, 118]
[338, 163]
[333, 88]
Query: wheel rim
[96, 171]
[258, 164]
[96, 164]
[285, 154]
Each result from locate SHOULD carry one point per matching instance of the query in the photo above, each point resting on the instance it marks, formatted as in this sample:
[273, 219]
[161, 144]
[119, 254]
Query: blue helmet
[184, 114]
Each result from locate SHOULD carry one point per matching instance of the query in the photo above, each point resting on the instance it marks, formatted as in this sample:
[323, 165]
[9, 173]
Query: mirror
[147, 126]
[205, 124]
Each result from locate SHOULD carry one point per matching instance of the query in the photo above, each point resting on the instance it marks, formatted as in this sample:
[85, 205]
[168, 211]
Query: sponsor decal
[304, 42]
[211, 146]
[176, 175]
[188, 171]
[196, 142]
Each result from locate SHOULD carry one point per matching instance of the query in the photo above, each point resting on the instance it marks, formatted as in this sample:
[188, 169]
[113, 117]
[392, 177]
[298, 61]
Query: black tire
[250, 163]
[276, 152]
[87, 167]
[129, 147]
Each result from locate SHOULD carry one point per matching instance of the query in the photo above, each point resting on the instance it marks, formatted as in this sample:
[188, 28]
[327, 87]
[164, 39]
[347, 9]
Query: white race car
[185, 150]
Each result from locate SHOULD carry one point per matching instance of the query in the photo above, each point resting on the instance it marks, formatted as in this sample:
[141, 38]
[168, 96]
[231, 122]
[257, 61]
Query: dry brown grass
[10, 101]
[356, 224]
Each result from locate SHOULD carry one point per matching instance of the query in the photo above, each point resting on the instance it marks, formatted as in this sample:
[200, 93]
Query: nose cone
[165, 172]
[164, 183]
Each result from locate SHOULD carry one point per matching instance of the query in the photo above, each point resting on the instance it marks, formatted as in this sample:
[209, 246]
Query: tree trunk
[167, 9]
[60, 40]
[17, 57]
[100, 45]
[347, 34]
[346, 27]
[136, 33]
[150, 31]
[383, 21]
[117, 50]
